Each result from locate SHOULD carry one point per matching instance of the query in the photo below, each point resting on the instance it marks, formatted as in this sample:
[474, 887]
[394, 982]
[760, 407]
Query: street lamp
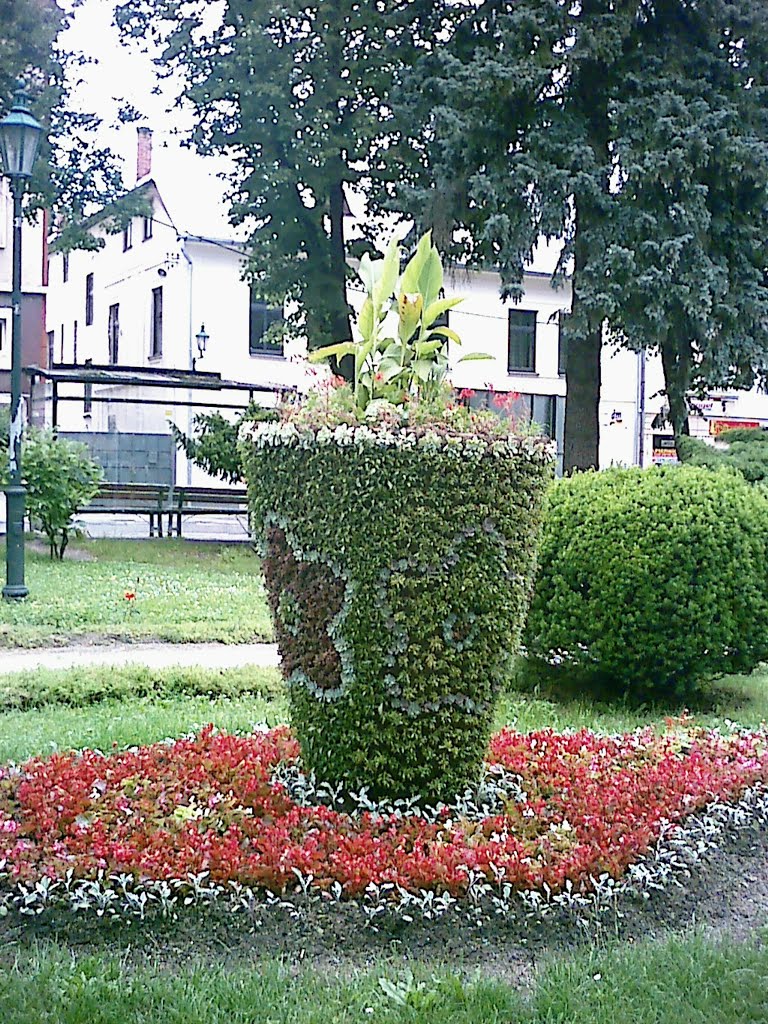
[202, 340]
[19, 139]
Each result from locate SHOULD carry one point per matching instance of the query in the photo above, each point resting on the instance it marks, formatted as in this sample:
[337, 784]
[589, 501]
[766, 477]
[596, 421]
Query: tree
[72, 174]
[299, 95]
[636, 133]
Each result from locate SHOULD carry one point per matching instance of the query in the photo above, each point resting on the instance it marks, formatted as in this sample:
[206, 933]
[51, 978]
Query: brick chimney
[143, 153]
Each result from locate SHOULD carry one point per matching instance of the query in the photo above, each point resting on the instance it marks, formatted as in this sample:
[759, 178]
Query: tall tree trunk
[340, 326]
[582, 425]
[581, 448]
[582, 368]
[677, 362]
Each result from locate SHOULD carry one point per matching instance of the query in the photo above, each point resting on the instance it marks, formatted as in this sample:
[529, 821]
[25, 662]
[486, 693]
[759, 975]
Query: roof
[142, 376]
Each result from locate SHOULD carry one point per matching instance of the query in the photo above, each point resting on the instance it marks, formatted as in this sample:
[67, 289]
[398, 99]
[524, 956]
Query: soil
[727, 898]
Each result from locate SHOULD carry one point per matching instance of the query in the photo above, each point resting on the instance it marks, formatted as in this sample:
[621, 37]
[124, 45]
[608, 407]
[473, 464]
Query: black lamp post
[19, 139]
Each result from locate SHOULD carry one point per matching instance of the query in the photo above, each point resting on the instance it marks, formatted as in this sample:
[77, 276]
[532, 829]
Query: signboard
[716, 427]
[664, 452]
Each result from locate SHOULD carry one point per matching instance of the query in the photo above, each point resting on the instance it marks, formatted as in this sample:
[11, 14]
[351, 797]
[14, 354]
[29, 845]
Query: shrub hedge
[399, 571]
[650, 581]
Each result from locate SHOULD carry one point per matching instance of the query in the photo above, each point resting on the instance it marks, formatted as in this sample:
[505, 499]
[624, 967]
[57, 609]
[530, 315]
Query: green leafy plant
[649, 582]
[213, 442]
[402, 347]
[398, 569]
[61, 478]
[746, 451]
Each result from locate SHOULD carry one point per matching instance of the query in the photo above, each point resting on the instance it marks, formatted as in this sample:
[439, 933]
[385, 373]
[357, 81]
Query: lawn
[183, 592]
[48, 981]
[679, 981]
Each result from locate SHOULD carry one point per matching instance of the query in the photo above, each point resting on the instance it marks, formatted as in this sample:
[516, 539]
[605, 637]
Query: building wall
[202, 285]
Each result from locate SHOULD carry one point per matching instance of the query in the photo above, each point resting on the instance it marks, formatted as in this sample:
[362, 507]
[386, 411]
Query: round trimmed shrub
[650, 581]
[399, 570]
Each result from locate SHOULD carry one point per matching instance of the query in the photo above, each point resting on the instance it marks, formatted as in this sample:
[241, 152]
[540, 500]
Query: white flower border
[288, 435]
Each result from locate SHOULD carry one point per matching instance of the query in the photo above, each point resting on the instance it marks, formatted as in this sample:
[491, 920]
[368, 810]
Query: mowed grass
[133, 705]
[185, 592]
[679, 981]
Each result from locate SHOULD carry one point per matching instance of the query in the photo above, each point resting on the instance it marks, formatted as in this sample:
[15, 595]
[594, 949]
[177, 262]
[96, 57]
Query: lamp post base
[15, 588]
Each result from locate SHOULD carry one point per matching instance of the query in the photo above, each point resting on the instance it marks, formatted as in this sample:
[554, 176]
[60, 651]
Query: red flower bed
[591, 804]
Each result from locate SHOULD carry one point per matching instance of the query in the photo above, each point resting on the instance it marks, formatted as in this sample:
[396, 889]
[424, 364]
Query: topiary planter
[398, 569]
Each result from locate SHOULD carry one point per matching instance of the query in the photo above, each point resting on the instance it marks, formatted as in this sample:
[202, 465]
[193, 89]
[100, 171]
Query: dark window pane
[522, 340]
[560, 346]
[156, 340]
[89, 300]
[113, 332]
[261, 319]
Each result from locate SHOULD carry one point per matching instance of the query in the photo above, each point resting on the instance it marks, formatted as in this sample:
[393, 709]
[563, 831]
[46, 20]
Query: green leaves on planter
[402, 347]
[399, 579]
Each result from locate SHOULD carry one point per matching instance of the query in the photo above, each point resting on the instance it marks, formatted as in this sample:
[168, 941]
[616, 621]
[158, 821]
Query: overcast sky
[118, 75]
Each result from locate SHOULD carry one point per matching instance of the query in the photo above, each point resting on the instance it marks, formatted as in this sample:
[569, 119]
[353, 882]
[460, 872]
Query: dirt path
[154, 655]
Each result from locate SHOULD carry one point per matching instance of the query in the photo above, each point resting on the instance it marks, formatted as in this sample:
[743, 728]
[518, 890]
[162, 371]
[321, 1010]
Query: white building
[142, 300]
[146, 300]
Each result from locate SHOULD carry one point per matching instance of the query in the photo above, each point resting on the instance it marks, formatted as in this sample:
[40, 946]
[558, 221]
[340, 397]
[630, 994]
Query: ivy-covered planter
[398, 568]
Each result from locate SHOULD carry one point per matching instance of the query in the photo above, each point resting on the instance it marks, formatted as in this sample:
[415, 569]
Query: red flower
[130, 596]
[466, 393]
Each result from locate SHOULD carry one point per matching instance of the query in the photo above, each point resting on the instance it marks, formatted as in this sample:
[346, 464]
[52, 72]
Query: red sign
[716, 427]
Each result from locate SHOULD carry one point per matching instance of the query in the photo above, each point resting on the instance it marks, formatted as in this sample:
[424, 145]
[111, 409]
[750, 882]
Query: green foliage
[746, 452]
[398, 580]
[633, 132]
[72, 172]
[395, 359]
[61, 478]
[213, 443]
[650, 581]
[300, 96]
[88, 685]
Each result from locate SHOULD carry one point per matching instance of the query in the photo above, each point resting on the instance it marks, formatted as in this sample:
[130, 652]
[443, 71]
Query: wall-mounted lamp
[162, 272]
[202, 340]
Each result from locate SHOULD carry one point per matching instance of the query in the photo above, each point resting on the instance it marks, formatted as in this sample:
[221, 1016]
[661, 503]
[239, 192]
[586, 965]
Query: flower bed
[555, 812]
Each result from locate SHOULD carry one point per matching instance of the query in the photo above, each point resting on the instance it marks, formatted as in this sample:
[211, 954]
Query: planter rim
[428, 440]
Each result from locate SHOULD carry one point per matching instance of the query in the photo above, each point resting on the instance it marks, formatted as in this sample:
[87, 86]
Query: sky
[118, 74]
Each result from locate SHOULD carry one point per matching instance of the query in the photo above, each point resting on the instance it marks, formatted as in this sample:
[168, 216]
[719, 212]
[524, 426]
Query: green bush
[650, 581]
[398, 574]
[61, 477]
[746, 452]
[213, 442]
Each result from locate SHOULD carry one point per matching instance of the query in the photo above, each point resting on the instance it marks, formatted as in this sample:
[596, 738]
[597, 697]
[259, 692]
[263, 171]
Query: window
[156, 332]
[148, 223]
[113, 332]
[65, 267]
[261, 319]
[561, 345]
[3, 330]
[521, 341]
[87, 394]
[544, 413]
[74, 343]
[88, 300]
[51, 336]
[61, 345]
[128, 236]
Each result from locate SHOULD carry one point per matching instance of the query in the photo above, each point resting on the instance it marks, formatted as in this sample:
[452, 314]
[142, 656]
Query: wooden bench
[205, 501]
[153, 500]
